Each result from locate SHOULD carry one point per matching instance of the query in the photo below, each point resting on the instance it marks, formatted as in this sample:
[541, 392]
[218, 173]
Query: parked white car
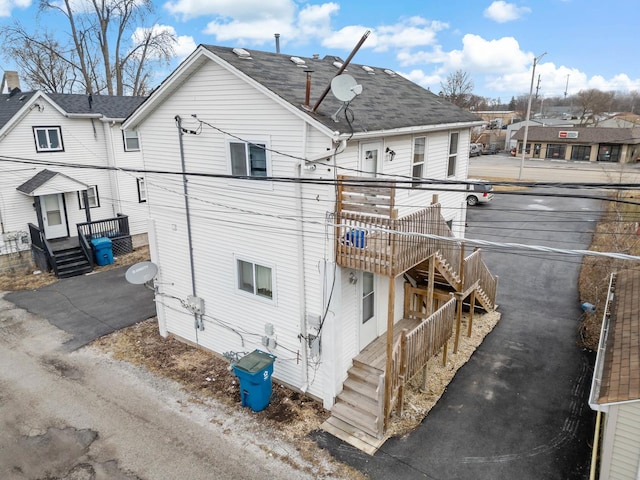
[475, 149]
[481, 192]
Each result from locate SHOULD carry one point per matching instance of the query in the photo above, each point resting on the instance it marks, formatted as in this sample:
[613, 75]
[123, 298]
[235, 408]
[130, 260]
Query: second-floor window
[131, 141]
[453, 153]
[249, 159]
[48, 139]
[418, 159]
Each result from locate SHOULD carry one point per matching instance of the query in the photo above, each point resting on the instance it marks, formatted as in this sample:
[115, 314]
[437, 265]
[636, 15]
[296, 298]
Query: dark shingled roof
[36, 181]
[588, 135]
[105, 105]
[621, 372]
[386, 102]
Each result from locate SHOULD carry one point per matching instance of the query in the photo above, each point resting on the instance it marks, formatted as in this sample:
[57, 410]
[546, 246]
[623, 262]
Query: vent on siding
[242, 53]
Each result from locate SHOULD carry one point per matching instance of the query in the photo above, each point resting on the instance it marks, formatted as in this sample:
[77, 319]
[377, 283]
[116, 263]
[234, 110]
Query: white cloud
[239, 10]
[314, 21]
[6, 6]
[502, 12]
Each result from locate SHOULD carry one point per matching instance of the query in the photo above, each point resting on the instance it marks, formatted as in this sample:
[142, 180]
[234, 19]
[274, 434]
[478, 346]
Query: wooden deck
[59, 244]
[375, 354]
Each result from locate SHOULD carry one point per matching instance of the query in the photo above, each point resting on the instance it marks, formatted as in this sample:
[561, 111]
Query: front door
[53, 216]
[371, 153]
[368, 322]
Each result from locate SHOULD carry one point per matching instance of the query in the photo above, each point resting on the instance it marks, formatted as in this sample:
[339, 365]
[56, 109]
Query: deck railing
[475, 270]
[39, 249]
[414, 348]
[116, 229]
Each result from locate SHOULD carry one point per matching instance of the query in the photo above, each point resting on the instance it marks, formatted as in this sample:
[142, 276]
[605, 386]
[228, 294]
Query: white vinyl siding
[623, 441]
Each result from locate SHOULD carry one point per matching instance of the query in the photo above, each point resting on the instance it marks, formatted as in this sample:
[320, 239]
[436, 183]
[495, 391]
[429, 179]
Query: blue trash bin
[103, 250]
[254, 372]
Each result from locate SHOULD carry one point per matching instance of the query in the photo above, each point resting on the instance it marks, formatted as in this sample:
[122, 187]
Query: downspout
[596, 446]
[301, 276]
[197, 321]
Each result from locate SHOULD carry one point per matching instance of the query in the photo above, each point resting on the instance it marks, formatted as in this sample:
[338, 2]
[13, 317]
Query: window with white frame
[418, 159]
[255, 279]
[92, 195]
[48, 139]
[131, 141]
[453, 153]
[142, 190]
[248, 159]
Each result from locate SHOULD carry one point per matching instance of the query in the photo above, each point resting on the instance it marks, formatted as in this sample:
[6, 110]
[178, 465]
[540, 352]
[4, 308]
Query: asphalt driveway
[518, 409]
[89, 306]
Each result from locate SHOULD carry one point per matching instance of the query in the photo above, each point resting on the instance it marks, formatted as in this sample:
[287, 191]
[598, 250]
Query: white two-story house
[68, 174]
[311, 222]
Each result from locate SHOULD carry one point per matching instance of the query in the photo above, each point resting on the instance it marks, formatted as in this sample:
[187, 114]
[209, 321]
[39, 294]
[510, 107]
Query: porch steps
[358, 404]
[449, 274]
[353, 436]
[71, 262]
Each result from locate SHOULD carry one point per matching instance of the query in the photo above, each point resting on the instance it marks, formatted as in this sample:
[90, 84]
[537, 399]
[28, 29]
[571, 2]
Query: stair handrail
[477, 271]
[86, 248]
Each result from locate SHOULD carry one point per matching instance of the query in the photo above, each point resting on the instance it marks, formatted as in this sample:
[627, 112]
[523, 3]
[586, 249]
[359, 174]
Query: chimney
[277, 35]
[10, 82]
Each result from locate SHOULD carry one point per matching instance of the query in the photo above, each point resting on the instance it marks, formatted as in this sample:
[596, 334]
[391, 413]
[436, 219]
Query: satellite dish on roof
[345, 88]
[140, 273]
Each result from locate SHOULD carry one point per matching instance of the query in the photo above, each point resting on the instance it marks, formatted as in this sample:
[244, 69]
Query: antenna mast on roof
[341, 69]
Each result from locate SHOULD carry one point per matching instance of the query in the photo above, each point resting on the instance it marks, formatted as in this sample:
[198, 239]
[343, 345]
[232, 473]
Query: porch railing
[414, 348]
[116, 229]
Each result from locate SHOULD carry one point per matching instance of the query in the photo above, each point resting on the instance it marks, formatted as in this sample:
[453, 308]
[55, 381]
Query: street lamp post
[526, 123]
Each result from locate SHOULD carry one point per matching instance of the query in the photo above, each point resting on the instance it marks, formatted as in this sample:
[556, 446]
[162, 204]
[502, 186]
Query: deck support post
[471, 309]
[458, 321]
[388, 368]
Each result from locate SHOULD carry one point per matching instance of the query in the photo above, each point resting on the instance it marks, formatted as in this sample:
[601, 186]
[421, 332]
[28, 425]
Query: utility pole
[566, 88]
[526, 122]
[538, 85]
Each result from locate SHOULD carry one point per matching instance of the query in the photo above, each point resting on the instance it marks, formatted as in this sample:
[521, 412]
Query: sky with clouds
[581, 43]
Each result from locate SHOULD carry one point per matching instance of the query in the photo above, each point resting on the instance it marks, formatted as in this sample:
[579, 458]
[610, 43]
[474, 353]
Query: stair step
[366, 369]
[359, 401]
[358, 418]
[363, 387]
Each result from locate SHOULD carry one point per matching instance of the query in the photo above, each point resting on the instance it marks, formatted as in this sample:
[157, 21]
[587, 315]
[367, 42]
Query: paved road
[73, 413]
[505, 166]
[518, 409]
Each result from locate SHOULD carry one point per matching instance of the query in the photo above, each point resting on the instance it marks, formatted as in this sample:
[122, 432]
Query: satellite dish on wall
[140, 273]
[345, 88]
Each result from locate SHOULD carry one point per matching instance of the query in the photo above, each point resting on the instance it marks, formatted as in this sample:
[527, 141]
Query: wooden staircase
[361, 401]
[71, 262]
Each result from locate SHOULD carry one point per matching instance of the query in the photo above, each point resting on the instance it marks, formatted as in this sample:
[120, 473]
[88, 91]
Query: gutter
[415, 129]
[596, 382]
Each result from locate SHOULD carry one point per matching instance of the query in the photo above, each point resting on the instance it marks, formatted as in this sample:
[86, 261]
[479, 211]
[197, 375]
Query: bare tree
[109, 48]
[457, 88]
[593, 103]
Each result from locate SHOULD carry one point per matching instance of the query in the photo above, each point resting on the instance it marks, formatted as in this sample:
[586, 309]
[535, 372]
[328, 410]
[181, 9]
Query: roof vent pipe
[307, 94]
[277, 35]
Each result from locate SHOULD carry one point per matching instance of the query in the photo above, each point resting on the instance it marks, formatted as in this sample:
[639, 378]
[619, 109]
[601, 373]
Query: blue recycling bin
[254, 372]
[355, 237]
[103, 250]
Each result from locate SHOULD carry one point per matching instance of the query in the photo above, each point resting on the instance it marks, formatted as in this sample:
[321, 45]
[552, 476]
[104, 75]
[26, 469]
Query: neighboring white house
[53, 148]
[261, 244]
[615, 388]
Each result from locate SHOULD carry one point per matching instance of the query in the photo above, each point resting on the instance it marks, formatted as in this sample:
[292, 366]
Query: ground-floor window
[520, 147]
[581, 152]
[556, 150]
[255, 279]
[609, 153]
